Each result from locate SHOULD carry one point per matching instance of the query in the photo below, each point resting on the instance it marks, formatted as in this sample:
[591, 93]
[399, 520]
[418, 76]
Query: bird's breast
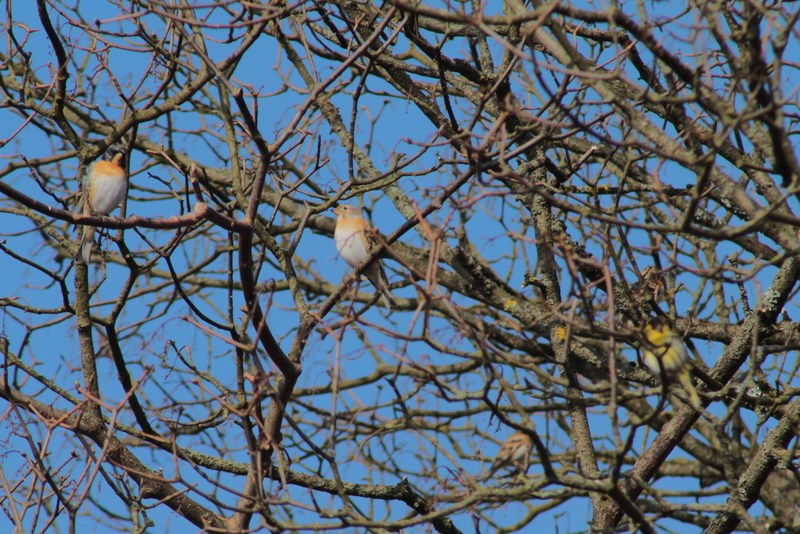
[107, 192]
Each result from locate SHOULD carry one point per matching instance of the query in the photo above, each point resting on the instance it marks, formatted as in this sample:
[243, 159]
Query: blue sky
[351, 352]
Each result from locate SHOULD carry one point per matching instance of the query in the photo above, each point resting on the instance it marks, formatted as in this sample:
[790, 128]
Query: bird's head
[346, 211]
[115, 153]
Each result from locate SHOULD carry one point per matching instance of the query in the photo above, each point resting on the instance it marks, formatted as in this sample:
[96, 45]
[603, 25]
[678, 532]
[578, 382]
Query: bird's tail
[386, 297]
[87, 239]
[492, 470]
[685, 379]
[376, 275]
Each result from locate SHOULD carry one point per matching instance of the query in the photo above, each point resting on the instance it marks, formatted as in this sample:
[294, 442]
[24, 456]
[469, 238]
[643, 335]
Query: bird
[652, 284]
[665, 355]
[516, 451]
[105, 184]
[356, 242]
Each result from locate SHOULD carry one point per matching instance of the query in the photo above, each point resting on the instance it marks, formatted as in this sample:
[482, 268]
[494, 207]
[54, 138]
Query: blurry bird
[105, 184]
[648, 291]
[665, 355]
[355, 241]
[653, 282]
[516, 451]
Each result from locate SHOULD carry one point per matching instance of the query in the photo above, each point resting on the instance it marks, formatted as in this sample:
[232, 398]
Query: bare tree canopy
[586, 218]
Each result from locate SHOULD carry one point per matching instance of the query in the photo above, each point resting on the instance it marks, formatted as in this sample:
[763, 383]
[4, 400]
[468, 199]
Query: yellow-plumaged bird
[665, 355]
